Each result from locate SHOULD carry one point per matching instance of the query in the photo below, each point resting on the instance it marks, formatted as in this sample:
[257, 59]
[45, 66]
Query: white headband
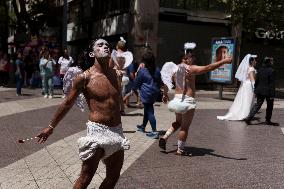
[188, 46]
[122, 39]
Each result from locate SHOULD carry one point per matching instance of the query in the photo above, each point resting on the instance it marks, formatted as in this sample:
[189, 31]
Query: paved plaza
[224, 154]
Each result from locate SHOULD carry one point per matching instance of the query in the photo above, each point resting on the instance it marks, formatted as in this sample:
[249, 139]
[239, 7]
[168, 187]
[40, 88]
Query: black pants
[258, 104]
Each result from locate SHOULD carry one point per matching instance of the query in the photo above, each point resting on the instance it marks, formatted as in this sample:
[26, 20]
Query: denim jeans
[19, 84]
[149, 116]
[47, 83]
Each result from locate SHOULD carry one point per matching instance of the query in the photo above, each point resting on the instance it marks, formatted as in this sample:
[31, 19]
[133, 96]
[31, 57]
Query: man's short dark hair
[148, 57]
[267, 61]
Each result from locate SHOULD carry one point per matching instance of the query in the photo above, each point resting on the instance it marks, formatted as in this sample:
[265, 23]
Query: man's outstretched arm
[65, 106]
[194, 69]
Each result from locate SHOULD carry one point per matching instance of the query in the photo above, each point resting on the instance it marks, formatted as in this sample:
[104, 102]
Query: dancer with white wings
[121, 59]
[184, 103]
[242, 104]
[104, 138]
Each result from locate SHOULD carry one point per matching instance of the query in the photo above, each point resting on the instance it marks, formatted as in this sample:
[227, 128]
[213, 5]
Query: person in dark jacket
[264, 89]
[148, 81]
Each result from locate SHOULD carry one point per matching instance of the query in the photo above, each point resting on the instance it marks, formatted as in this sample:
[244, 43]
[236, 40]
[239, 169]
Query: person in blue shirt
[148, 81]
[130, 72]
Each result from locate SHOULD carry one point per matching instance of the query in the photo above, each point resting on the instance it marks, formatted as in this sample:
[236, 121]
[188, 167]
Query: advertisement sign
[222, 47]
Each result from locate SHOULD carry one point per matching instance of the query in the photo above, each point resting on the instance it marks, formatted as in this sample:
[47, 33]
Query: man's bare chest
[102, 87]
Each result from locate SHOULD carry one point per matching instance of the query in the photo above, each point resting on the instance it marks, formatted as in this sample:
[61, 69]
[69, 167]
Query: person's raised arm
[64, 107]
[194, 69]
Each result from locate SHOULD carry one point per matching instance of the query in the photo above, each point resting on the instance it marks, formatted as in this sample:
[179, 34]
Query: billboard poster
[222, 47]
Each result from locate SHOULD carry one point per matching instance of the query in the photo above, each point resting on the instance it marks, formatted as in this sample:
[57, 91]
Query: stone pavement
[56, 165]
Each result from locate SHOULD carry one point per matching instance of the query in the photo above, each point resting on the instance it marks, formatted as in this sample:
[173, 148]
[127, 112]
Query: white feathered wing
[167, 72]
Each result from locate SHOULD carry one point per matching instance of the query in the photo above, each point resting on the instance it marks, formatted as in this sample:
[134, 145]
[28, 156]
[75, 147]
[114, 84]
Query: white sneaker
[50, 96]
[45, 96]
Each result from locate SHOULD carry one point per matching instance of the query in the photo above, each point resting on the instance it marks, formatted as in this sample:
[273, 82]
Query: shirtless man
[104, 140]
[184, 103]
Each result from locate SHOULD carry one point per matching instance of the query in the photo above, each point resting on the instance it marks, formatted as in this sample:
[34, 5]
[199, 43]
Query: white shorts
[181, 104]
[110, 139]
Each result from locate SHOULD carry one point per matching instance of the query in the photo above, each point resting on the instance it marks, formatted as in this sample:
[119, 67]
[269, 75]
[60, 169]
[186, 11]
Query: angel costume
[242, 104]
[181, 102]
[111, 139]
[122, 60]
[71, 73]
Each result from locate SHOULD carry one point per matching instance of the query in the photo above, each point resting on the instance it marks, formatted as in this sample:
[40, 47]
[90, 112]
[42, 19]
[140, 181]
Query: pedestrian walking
[264, 90]
[148, 81]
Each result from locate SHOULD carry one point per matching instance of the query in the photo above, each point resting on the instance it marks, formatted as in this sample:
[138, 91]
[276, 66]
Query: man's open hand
[42, 137]
[227, 60]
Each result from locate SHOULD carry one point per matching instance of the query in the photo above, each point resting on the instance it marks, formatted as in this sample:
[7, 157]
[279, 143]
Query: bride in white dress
[241, 106]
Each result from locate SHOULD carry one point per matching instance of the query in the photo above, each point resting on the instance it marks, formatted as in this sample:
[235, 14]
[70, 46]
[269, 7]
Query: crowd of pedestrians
[34, 69]
[42, 67]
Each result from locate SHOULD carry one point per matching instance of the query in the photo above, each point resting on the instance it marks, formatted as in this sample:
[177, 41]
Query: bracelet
[51, 127]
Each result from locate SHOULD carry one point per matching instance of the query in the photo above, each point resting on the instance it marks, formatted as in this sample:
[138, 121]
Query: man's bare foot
[162, 143]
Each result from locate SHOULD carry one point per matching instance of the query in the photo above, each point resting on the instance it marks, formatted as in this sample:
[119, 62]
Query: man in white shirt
[65, 62]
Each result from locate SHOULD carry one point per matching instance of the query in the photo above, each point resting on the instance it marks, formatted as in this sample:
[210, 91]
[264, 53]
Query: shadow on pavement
[225, 98]
[134, 114]
[23, 94]
[129, 131]
[265, 124]
[137, 106]
[194, 151]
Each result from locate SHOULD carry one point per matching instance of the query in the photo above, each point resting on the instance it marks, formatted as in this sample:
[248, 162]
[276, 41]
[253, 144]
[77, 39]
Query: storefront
[266, 43]
[177, 26]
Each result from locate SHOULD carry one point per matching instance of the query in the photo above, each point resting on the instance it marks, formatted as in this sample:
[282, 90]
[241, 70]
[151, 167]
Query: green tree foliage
[34, 15]
[3, 24]
[252, 14]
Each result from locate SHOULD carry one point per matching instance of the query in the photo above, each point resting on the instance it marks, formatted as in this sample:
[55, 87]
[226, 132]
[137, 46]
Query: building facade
[165, 25]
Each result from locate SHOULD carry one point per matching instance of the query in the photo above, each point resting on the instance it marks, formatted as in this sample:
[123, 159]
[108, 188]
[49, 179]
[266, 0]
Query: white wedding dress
[242, 104]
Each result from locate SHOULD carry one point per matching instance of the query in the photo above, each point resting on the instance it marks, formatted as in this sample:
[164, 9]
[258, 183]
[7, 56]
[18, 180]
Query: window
[107, 8]
[194, 5]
